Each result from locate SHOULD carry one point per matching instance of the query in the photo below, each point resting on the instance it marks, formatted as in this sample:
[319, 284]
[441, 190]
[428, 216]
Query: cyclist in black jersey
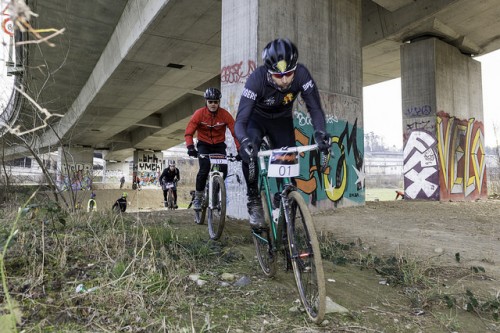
[265, 109]
[170, 175]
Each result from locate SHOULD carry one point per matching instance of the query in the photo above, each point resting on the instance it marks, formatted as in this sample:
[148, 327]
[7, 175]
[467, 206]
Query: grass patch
[426, 286]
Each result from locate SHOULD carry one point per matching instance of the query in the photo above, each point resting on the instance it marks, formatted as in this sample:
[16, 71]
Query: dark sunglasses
[213, 102]
[280, 75]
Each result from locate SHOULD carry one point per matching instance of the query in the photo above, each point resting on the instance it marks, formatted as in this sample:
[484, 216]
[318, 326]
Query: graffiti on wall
[344, 175]
[425, 123]
[238, 72]
[149, 162]
[418, 111]
[462, 157]
[447, 165]
[420, 166]
[147, 170]
[77, 176]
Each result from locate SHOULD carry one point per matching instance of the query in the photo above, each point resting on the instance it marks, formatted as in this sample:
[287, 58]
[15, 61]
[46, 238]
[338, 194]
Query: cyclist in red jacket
[211, 122]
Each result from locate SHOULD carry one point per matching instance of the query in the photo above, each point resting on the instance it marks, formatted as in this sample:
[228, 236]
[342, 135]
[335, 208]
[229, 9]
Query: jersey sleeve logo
[308, 85]
[249, 94]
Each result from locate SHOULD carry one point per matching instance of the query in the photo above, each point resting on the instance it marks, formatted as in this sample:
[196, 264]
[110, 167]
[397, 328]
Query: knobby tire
[306, 258]
[170, 200]
[216, 216]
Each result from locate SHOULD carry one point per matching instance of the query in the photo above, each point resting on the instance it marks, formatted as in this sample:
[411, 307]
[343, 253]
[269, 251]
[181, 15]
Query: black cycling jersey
[168, 175]
[263, 97]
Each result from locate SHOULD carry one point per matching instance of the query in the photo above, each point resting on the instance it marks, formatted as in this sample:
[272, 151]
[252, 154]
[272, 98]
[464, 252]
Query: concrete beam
[380, 23]
[153, 121]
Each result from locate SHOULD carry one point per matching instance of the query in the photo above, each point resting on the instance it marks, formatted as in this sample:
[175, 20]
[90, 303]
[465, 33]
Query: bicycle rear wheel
[216, 215]
[263, 243]
[306, 257]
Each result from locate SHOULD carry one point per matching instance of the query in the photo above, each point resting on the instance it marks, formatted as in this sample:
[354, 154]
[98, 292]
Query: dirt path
[431, 234]
[439, 230]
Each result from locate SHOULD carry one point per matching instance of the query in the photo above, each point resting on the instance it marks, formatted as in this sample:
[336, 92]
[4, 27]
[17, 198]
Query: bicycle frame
[214, 199]
[287, 187]
[303, 254]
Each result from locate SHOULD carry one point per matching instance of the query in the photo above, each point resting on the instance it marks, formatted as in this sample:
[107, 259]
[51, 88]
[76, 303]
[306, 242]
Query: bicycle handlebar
[230, 157]
[299, 149]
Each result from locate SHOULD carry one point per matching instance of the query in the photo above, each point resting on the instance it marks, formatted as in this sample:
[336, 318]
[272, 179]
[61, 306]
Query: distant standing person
[170, 175]
[120, 205]
[92, 204]
[122, 181]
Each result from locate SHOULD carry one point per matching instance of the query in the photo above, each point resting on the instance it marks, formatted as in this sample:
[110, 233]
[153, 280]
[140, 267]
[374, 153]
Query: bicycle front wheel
[170, 200]
[306, 257]
[216, 214]
[263, 243]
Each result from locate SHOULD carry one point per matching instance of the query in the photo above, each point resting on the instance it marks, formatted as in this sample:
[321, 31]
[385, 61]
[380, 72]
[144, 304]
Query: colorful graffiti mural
[420, 166]
[461, 157]
[344, 175]
[76, 177]
[447, 163]
[147, 170]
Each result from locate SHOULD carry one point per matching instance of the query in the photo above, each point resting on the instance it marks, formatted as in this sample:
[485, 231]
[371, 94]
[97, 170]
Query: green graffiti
[344, 175]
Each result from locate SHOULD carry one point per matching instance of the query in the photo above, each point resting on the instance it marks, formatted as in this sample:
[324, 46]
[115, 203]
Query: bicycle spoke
[262, 241]
[265, 253]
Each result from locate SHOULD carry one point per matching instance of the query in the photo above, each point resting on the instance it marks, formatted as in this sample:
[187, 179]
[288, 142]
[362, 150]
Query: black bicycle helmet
[280, 56]
[212, 94]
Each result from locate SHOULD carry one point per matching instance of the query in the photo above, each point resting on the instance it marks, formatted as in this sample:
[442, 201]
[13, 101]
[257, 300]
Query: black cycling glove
[192, 151]
[323, 140]
[247, 150]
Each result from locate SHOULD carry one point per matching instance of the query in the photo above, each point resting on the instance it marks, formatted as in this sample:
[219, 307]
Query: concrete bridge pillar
[443, 129]
[75, 168]
[328, 36]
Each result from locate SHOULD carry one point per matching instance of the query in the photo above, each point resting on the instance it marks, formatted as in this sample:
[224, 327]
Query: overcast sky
[382, 104]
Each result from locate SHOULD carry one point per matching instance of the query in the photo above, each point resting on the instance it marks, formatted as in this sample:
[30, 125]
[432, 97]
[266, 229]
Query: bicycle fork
[292, 252]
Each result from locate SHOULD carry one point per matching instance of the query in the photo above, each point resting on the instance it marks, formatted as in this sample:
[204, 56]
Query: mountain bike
[290, 228]
[213, 204]
[170, 203]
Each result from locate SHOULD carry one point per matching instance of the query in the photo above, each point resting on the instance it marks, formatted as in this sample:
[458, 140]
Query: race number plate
[218, 159]
[283, 164]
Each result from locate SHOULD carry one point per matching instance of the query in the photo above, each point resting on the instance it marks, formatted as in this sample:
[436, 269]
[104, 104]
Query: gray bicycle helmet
[212, 94]
[280, 56]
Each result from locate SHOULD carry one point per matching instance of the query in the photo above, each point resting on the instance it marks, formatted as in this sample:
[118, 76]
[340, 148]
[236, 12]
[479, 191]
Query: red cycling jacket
[211, 126]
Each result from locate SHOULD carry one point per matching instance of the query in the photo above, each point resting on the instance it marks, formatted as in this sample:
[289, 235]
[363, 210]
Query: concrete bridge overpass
[127, 74]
